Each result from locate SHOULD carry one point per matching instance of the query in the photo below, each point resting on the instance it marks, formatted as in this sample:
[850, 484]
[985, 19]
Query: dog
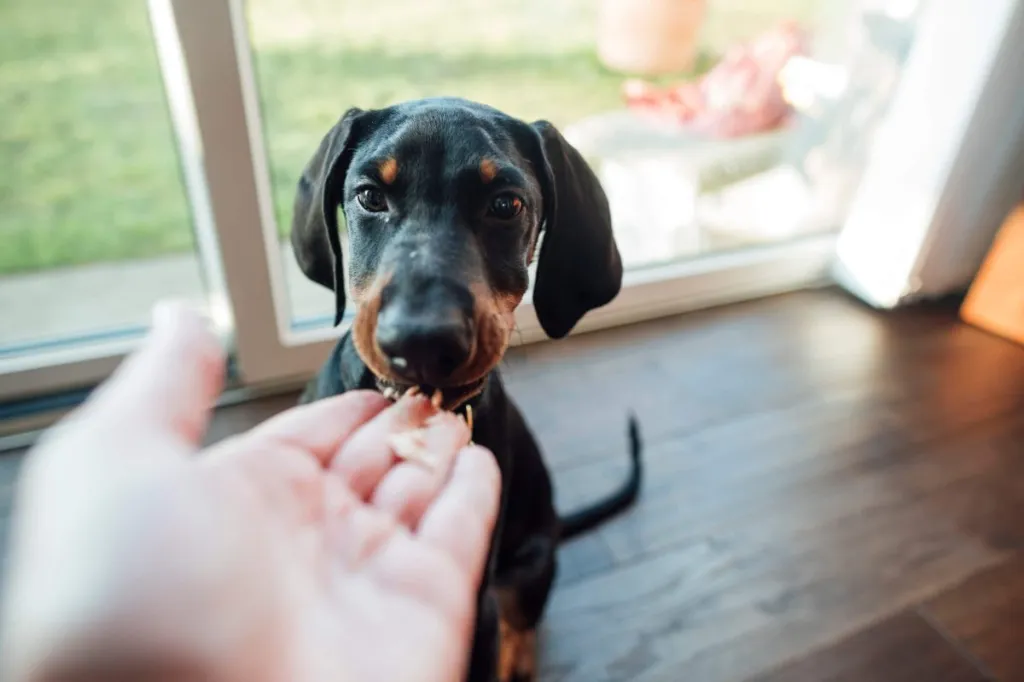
[446, 203]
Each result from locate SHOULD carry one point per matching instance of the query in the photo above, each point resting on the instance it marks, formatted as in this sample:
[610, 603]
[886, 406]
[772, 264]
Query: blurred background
[714, 124]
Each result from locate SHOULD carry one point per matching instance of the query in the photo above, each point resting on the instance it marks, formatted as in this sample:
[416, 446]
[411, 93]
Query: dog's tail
[585, 519]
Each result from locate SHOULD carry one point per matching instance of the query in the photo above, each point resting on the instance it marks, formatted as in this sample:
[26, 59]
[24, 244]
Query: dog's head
[445, 201]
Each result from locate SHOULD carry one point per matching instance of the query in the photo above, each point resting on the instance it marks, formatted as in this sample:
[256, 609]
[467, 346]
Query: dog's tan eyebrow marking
[488, 170]
[388, 169]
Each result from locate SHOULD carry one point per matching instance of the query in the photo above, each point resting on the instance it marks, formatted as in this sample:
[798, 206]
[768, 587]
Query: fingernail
[172, 314]
[164, 313]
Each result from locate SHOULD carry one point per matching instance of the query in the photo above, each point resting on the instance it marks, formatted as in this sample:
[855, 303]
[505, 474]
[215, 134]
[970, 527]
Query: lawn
[90, 169]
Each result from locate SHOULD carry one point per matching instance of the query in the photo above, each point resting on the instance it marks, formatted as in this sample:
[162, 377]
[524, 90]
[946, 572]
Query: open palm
[301, 550]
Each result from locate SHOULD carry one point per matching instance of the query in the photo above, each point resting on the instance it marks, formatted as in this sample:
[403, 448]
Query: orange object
[995, 301]
[649, 37]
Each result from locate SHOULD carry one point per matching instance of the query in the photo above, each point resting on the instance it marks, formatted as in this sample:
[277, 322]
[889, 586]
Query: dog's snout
[425, 348]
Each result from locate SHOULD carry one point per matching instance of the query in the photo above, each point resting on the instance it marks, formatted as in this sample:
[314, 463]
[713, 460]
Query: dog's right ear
[314, 235]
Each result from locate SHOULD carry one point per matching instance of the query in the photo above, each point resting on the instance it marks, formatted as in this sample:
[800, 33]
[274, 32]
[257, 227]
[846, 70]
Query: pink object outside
[741, 95]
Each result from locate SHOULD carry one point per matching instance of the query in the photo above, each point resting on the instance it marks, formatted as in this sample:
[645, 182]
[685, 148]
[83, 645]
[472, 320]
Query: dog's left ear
[579, 267]
[315, 239]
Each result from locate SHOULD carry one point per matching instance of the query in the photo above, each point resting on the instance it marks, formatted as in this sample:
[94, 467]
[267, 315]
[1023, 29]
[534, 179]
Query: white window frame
[228, 182]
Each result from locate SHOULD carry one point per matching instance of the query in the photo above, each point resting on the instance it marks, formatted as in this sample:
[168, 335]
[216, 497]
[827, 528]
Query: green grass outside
[89, 167]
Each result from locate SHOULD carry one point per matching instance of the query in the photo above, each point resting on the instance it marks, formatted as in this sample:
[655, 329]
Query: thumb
[167, 388]
[93, 495]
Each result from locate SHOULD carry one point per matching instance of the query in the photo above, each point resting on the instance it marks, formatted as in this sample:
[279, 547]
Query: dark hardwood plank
[582, 557]
[812, 465]
[903, 648]
[741, 600]
[708, 369]
[986, 614]
[840, 483]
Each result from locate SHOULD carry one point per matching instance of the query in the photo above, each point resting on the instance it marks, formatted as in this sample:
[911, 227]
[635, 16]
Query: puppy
[446, 204]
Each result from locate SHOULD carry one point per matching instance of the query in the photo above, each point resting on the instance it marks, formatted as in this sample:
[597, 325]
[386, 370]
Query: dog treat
[411, 445]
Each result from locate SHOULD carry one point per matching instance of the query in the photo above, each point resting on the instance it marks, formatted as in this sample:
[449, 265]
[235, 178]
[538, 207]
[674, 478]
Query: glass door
[96, 213]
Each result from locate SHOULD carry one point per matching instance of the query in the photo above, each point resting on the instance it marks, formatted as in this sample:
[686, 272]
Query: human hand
[298, 551]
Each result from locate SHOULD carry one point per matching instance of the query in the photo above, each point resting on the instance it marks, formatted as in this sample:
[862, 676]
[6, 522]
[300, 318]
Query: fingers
[167, 387]
[461, 520]
[409, 488]
[286, 455]
[319, 428]
[357, 532]
[367, 456]
[401, 565]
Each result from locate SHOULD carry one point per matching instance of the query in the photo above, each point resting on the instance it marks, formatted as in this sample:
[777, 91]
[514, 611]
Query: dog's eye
[372, 199]
[505, 206]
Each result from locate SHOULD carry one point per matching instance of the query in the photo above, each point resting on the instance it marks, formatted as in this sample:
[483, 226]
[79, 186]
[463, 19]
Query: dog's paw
[517, 658]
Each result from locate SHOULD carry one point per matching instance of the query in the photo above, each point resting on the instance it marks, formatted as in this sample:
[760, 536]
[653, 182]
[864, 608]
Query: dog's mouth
[449, 398]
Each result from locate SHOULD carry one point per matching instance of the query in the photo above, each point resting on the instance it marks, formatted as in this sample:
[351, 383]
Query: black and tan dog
[446, 202]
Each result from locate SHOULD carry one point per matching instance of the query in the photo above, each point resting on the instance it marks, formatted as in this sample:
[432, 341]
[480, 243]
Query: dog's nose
[425, 349]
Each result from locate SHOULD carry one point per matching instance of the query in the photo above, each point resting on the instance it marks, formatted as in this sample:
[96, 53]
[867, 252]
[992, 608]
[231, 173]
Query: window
[94, 215]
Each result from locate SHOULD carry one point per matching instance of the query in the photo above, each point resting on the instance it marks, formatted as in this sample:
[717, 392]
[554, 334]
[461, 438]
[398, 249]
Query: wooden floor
[831, 494]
